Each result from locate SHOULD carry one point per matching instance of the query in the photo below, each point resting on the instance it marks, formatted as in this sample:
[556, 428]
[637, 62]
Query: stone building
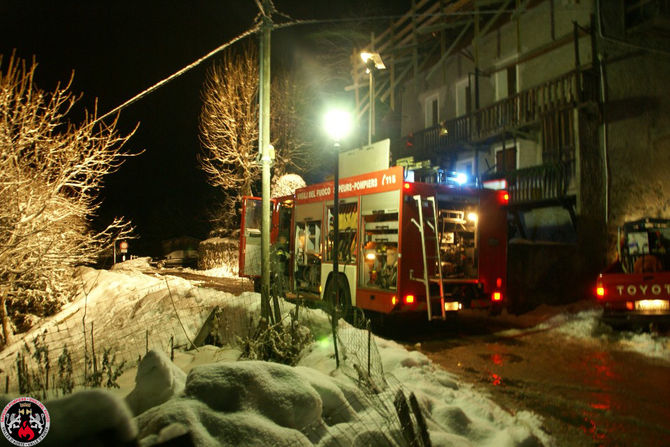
[566, 101]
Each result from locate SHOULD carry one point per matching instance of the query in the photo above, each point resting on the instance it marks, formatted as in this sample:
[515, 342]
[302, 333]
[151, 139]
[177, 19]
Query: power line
[175, 75]
[250, 31]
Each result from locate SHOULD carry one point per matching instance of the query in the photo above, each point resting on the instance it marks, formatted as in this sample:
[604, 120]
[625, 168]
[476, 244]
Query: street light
[337, 124]
[372, 61]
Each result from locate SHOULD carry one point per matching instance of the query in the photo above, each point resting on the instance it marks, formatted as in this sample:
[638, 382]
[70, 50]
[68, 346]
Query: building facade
[565, 100]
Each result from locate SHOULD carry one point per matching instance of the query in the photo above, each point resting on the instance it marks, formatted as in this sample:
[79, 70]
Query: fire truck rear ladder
[432, 225]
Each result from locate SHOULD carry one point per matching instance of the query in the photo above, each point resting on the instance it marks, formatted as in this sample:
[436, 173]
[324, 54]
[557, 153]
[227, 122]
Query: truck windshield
[646, 248]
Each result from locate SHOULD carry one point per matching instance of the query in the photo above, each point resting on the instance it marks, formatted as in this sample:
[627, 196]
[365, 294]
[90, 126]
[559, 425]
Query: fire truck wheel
[345, 295]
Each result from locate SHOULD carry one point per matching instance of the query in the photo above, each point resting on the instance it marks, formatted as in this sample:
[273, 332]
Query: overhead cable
[175, 75]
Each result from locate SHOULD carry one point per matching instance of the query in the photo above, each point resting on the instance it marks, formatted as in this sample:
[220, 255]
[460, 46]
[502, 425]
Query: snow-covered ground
[210, 396]
[221, 401]
[587, 327]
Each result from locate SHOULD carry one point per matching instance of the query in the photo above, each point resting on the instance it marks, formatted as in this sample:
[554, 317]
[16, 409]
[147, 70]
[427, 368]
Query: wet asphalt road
[588, 392]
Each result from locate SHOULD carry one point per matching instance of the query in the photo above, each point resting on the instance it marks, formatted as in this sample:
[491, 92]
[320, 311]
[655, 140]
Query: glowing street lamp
[338, 124]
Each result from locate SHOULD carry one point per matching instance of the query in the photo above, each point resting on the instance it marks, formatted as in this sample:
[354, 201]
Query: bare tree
[51, 172]
[229, 126]
[289, 124]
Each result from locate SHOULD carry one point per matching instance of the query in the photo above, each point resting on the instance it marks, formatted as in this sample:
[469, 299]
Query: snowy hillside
[215, 400]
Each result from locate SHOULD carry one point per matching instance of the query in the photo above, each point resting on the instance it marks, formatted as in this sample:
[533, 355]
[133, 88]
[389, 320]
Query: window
[463, 98]
[465, 166]
[432, 110]
[505, 82]
[506, 160]
[308, 256]
[641, 12]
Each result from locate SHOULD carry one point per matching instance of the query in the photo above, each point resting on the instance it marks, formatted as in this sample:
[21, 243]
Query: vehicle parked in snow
[636, 288]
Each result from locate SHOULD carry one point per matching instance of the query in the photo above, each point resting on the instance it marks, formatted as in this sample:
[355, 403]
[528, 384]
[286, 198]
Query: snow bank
[259, 403]
[157, 380]
[137, 264]
[586, 326]
[457, 415]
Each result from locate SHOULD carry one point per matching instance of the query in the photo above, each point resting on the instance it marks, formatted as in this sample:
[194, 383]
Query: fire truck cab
[403, 246]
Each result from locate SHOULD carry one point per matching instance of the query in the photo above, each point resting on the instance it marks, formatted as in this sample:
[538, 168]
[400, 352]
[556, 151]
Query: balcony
[544, 184]
[522, 110]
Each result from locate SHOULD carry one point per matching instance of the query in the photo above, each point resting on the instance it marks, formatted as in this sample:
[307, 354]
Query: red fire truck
[403, 246]
[636, 288]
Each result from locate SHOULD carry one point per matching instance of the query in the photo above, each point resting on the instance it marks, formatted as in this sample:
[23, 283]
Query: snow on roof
[220, 240]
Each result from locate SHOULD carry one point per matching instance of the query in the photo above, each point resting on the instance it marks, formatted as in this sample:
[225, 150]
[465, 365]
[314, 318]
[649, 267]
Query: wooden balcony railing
[523, 109]
[544, 183]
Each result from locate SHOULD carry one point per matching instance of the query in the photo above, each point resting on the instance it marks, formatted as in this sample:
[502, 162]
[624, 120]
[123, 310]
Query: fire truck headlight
[472, 217]
[370, 256]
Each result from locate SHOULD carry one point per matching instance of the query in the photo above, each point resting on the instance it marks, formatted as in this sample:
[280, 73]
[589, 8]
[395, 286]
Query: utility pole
[265, 151]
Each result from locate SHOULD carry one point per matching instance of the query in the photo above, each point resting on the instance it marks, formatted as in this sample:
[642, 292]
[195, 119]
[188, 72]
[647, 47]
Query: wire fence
[361, 358]
[102, 332]
[127, 326]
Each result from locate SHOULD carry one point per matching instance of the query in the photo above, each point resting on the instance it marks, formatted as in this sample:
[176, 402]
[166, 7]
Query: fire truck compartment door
[250, 237]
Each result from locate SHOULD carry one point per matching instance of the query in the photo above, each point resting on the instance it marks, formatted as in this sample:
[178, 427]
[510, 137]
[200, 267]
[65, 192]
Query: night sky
[117, 49]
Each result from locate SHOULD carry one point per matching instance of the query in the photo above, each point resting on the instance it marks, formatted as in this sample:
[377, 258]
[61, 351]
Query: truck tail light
[503, 197]
[600, 291]
[409, 299]
[496, 296]
[406, 185]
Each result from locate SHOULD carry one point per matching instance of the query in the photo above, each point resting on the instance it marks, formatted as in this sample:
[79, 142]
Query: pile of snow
[137, 264]
[157, 380]
[250, 403]
[123, 307]
[226, 402]
[587, 326]
[226, 271]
